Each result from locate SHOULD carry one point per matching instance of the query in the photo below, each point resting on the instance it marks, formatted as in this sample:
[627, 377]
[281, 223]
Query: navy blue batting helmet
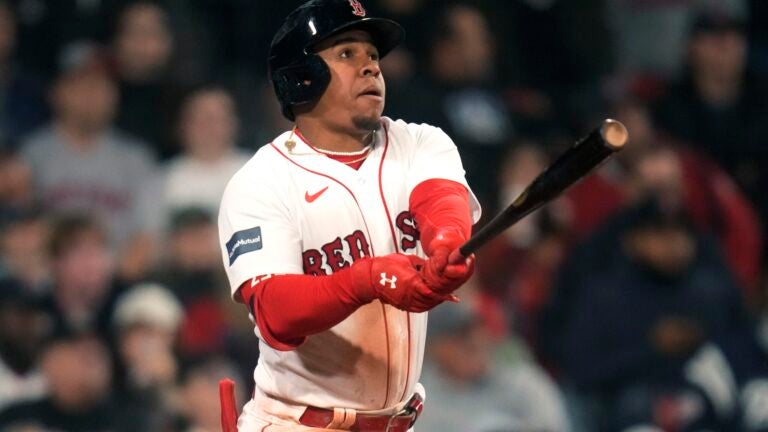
[298, 74]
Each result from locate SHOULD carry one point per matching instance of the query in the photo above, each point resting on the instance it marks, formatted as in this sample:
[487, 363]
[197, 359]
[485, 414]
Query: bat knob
[614, 134]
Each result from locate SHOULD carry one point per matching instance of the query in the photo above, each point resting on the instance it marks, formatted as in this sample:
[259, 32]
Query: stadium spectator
[654, 162]
[199, 392]
[80, 162]
[197, 177]
[192, 267]
[83, 288]
[720, 107]
[24, 327]
[733, 371]
[142, 47]
[78, 371]
[193, 273]
[632, 304]
[465, 374]
[146, 320]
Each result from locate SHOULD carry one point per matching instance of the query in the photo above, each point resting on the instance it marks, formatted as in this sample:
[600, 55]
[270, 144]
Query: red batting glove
[396, 280]
[445, 238]
[442, 275]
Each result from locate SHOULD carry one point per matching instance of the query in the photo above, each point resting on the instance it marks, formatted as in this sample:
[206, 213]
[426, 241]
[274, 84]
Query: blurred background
[636, 302]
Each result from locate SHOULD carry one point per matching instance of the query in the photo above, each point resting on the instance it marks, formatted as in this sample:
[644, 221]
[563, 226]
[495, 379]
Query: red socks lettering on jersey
[291, 307]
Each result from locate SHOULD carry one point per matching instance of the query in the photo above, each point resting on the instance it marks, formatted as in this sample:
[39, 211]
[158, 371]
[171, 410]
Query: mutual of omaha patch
[243, 242]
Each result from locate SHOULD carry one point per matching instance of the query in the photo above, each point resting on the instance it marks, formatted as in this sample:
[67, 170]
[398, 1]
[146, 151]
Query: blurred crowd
[635, 302]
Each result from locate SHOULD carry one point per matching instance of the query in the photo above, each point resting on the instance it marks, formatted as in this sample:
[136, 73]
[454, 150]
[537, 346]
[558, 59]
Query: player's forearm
[288, 308]
[438, 204]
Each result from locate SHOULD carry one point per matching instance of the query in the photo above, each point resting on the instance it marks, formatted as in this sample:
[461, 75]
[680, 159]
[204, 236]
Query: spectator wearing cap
[146, 320]
[473, 390]
[24, 327]
[208, 129]
[80, 162]
[632, 305]
[719, 106]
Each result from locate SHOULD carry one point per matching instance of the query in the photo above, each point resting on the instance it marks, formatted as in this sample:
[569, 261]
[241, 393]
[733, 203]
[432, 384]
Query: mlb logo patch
[243, 242]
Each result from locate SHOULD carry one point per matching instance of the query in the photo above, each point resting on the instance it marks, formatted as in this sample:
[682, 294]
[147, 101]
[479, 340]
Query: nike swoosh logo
[314, 196]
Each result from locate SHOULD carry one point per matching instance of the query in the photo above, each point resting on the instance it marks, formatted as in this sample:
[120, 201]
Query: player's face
[355, 95]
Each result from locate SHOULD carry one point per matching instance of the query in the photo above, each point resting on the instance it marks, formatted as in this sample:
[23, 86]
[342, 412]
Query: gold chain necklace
[290, 144]
[358, 159]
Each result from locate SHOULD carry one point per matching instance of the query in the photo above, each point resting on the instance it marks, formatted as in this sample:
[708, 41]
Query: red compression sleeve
[288, 308]
[439, 203]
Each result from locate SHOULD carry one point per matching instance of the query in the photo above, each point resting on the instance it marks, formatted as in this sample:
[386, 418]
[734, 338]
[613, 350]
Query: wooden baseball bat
[570, 167]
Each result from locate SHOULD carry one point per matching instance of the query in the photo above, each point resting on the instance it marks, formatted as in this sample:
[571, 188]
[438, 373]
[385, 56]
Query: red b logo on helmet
[357, 8]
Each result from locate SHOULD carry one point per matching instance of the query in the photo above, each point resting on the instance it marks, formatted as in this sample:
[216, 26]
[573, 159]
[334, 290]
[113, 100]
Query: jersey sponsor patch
[243, 242]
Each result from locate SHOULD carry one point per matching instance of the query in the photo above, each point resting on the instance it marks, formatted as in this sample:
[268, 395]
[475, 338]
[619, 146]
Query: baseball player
[337, 234]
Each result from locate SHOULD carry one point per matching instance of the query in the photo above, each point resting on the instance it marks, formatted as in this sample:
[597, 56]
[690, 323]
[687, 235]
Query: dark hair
[716, 21]
[187, 217]
[196, 91]
[68, 229]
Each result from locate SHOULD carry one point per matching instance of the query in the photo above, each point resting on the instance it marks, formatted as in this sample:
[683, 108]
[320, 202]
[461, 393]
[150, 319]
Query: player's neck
[332, 139]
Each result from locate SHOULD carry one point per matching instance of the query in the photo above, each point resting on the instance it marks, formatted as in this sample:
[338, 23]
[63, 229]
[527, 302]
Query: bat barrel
[569, 168]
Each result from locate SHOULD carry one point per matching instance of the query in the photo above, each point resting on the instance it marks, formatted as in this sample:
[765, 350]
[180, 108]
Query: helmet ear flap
[301, 83]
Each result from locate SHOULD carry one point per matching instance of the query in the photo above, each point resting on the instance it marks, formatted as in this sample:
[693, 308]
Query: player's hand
[442, 275]
[396, 279]
[446, 240]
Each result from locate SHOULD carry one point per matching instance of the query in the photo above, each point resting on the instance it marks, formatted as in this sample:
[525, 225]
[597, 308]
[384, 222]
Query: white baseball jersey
[297, 211]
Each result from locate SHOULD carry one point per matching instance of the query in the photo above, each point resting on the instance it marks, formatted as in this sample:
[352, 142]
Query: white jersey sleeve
[257, 230]
[435, 157]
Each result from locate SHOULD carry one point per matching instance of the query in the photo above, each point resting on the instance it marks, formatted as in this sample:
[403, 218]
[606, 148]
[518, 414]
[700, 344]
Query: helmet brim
[386, 34]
